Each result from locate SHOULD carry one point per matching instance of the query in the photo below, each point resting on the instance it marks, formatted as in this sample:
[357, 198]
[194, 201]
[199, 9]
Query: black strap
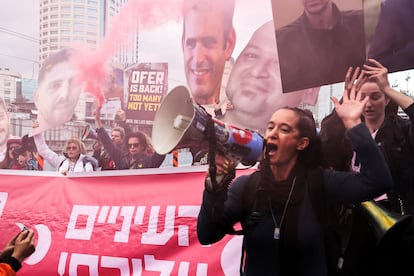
[242, 256]
[336, 232]
[211, 138]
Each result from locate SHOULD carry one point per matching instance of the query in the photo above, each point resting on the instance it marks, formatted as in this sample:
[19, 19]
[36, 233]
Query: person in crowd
[104, 160]
[137, 156]
[74, 158]
[208, 41]
[392, 43]
[254, 86]
[121, 129]
[16, 250]
[34, 160]
[319, 46]
[20, 161]
[58, 91]
[395, 137]
[4, 128]
[118, 134]
[24, 159]
[277, 205]
[12, 144]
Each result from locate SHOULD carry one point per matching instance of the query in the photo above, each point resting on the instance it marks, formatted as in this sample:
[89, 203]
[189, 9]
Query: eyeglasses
[13, 148]
[133, 145]
[71, 148]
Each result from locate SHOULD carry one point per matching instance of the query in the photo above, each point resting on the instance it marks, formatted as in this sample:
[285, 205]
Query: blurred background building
[64, 22]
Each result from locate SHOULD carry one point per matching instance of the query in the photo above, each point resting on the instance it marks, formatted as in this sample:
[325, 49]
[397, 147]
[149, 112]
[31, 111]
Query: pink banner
[114, 225]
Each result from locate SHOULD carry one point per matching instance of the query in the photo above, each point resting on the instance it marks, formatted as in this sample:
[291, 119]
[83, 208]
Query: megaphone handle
[211, 137]
[217, 187]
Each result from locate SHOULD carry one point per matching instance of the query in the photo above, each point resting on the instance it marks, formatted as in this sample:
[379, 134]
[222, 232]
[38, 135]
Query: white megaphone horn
[179, 123]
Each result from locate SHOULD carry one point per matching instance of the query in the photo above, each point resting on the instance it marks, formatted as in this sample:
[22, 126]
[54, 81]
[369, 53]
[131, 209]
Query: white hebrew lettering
[91, 261]
[139, 215]
[202, 270]
[103, 214]
[123, 234]
[44, 240]
[62, 263]
[3, 200]
[151, 236]
[116, 262]
[83, 233]
[183, 233]
[113, 214]
[164, 267]
[136, 267]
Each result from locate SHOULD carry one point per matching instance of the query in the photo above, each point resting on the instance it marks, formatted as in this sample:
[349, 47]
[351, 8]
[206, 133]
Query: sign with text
[117, 225]
[147, 84]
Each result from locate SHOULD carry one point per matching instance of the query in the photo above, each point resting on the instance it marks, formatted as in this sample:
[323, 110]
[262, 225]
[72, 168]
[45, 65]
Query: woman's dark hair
[141, 137]
[312, 155]
[309, 158]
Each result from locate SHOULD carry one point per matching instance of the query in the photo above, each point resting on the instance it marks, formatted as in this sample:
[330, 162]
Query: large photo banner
[318, 40]
[118, 225]
[222, 51]
[237, 58]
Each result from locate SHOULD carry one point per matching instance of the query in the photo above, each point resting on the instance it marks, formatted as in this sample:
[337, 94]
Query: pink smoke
[94, 65]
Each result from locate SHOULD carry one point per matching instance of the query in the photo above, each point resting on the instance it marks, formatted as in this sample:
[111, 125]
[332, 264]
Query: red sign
[114, 225]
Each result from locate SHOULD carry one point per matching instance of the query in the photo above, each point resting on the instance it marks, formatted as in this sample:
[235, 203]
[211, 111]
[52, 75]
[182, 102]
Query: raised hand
[97, 114]
[352, 106]
[375, 71]
[120, 116]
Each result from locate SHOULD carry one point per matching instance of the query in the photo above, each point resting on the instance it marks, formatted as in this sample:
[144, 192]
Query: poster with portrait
[317, 41]
[249, 82]
[391, 33]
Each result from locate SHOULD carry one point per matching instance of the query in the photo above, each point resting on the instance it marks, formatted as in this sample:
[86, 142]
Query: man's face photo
[205, 53]
[57, 94]
[254, 85]
[4, 125]
[315, 6]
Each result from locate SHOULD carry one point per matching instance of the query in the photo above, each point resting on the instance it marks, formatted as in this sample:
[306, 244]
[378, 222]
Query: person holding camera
[16, 250]
[12, 144]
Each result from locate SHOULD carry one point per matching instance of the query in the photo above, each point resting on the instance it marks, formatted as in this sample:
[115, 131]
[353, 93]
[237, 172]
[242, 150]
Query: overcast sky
[18, 54]
[158, 45]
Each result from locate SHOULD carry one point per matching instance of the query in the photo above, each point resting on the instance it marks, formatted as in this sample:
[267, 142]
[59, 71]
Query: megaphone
[179, 123]
[387, 225]
[89, 133]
